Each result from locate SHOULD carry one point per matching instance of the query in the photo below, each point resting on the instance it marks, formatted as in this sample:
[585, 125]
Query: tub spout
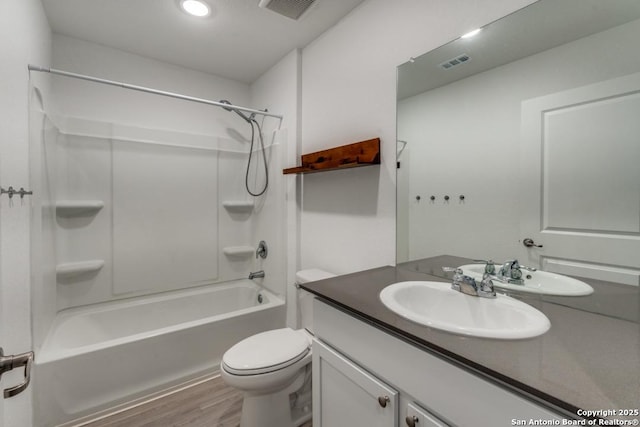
[256, 274]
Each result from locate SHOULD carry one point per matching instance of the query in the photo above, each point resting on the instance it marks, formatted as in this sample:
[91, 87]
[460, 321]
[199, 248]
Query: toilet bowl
[273, 369]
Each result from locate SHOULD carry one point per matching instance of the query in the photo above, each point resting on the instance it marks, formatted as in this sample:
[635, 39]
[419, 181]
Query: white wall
[105, 103]
[482, 158]
[278, 90]
[348, 95]
[24, 38]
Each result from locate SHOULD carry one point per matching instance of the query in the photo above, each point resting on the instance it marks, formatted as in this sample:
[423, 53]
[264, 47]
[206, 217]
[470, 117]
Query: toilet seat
[267, 352]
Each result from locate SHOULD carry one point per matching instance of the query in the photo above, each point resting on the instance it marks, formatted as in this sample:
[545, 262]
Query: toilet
[273, 368]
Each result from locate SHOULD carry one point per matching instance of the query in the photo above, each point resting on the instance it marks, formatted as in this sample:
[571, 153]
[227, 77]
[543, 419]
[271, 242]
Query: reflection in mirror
[528, 130]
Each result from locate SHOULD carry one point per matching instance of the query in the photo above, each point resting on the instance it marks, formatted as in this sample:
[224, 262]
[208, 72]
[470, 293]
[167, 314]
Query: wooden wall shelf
[363, 153]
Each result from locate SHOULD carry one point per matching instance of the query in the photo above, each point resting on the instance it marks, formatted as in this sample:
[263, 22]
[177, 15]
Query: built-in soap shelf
[238, 205]
[69, 269]
[239, 251]
[78, 207]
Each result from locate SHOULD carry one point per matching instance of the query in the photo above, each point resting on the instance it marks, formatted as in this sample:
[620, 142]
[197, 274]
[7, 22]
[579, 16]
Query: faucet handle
[516, 272]
[486, 286]
[489, 265]
[455, 270]
[262, 250]
[509, 265]
[488, 278]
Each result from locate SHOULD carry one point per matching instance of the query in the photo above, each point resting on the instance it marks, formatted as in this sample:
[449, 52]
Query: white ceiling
[239, 41]
[538, 27]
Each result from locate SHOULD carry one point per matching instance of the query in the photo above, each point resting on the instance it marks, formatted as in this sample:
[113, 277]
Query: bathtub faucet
[256, 274]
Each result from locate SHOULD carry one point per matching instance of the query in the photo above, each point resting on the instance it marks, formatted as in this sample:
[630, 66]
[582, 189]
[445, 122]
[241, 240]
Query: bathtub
[100, 356]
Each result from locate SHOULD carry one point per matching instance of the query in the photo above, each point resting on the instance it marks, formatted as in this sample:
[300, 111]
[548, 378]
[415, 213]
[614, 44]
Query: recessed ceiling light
[471, 33]
[195, 7]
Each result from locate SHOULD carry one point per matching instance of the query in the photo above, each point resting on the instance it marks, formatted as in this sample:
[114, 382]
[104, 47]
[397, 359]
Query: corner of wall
[279, 91]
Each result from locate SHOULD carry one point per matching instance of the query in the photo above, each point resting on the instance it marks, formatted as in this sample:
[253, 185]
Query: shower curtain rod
[150, 90]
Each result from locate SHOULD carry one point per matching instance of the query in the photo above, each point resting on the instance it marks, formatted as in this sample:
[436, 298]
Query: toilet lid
[266, 352]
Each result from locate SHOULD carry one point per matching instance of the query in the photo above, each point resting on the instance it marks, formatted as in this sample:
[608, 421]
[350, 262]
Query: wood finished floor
[209, 404]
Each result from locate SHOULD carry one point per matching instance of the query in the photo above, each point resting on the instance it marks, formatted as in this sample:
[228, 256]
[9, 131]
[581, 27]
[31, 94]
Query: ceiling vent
[460, 59]
[292, 9]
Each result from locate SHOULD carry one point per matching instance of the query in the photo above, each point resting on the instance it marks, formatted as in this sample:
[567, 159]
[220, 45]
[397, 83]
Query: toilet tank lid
[312, 274]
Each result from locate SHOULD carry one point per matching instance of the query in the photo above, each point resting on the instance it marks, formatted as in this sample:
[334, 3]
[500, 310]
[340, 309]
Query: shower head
[235, 110]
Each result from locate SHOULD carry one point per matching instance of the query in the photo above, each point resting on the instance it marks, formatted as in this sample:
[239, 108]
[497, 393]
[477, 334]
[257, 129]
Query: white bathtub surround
[99, 356]
[150, 230]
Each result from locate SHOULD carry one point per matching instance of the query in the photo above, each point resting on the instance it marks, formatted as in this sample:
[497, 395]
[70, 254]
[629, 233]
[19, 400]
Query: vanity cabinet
[355, 363]
[347, 395]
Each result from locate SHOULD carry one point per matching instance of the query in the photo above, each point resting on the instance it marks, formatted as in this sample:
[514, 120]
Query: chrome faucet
[468, 285]
[256, 274]
[510, 272]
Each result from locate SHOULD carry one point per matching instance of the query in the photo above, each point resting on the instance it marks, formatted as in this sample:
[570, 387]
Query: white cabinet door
[580, 187]
[346, 395]
[418, 417]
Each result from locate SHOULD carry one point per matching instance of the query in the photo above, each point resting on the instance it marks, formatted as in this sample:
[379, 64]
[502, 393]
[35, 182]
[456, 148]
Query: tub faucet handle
[262, 250]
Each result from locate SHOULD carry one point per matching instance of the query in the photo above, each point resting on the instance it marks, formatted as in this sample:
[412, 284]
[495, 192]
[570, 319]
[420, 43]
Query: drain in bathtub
[259, 298]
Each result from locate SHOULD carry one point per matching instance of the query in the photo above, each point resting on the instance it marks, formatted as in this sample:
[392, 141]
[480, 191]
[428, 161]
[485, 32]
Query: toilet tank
[305, 299]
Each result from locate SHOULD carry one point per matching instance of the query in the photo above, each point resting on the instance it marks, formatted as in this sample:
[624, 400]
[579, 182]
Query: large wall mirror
[529, 129]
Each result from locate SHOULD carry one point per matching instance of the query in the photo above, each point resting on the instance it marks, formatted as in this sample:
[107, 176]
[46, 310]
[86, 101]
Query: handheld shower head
[250, 119]
[238, 112]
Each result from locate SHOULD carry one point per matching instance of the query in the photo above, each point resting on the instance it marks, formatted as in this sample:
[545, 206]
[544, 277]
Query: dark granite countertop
[589, 359]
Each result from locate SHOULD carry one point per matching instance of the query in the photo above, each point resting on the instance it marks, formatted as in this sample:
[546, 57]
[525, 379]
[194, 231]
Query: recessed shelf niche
[239, 251]
[238, 205]
[78, 207]
[70, 269]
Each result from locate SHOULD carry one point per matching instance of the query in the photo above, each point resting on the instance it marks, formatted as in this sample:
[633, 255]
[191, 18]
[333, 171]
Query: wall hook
[22, 192]
[12, 191]
[9, 191]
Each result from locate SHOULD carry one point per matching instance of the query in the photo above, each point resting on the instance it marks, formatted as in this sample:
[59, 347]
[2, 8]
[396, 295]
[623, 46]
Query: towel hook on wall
[12, 191]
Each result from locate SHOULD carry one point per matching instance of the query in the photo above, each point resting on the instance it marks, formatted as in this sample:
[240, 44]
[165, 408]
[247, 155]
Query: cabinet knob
[411, 420]
[383, 400]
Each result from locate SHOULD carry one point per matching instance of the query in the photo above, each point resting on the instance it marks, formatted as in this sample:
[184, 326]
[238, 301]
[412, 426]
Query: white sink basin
[436, 305]
[536, 282]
